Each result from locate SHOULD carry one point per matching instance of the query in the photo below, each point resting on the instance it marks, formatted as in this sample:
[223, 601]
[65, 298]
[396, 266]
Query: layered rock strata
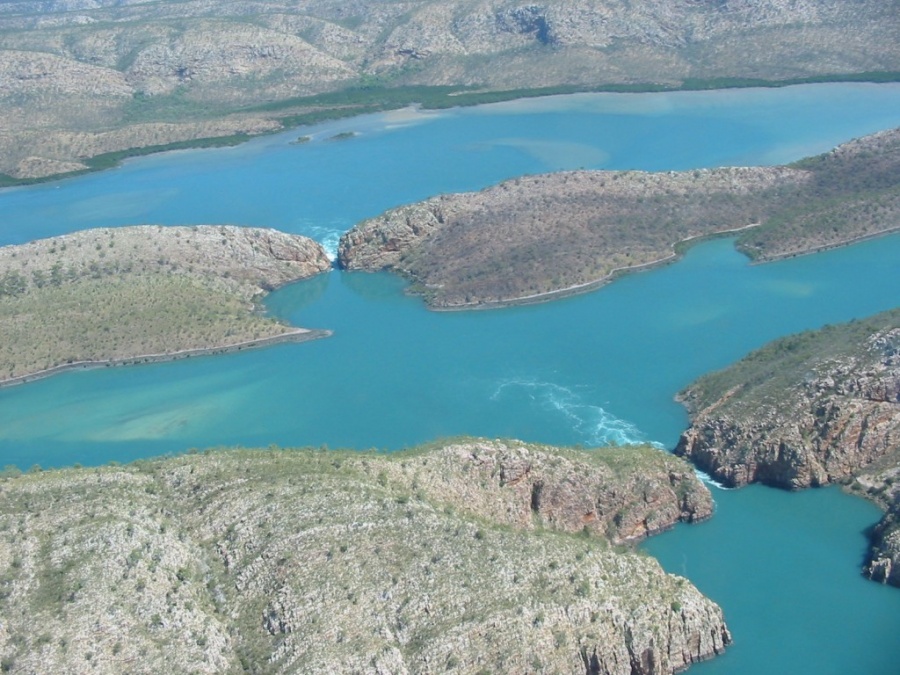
[805, 411]
[306, 561]
[880, 482]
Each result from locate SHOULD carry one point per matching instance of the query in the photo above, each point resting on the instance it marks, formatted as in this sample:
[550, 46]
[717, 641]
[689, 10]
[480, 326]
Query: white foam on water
[709, 480]
[328, 236]
[596, 425]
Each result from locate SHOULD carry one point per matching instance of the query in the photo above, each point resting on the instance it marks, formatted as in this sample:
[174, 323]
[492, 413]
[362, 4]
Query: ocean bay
[589, 370]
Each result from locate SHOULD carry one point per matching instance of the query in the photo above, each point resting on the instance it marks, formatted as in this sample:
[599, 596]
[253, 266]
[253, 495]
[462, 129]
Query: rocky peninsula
[808, 410]
[464, 556]
[130, 294]
[540, 237]
[84, 83]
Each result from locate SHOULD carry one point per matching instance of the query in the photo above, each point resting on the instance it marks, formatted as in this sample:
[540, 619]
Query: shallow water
[322, 187]
[590, 370]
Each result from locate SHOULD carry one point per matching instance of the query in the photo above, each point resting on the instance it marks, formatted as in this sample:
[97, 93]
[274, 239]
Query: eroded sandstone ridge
[439, 559]
[78, 79]
[880, 482]
[808, 410]
[537, 237]
[115, 294]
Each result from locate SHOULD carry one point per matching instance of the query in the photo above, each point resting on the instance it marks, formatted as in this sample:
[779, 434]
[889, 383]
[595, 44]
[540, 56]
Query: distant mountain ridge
[81, 78]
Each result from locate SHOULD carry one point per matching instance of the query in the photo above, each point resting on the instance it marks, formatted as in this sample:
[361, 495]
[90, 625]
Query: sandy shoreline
[295, 335]
[828, 247]
[588, 286]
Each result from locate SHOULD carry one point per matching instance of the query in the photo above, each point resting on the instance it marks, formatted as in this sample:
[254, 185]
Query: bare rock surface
[880, 482]
[325, 562]
[809, 410]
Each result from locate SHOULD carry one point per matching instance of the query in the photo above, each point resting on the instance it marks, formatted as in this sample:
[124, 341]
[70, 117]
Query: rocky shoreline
[809, 410]
[463, 556]
[541, 237]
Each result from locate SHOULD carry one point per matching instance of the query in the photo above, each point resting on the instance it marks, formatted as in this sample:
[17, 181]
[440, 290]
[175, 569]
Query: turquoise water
[595, 369]
[321, 188]
[783, 567]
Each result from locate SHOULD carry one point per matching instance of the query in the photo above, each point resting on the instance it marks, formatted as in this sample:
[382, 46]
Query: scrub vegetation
[769, 373]
[537, 237]
[439, 559]
[111, 295]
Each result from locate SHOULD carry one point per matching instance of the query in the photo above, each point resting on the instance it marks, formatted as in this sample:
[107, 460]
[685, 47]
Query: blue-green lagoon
[590, 370]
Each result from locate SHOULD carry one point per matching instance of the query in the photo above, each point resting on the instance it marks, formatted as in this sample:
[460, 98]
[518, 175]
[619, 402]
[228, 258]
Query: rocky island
[133, 294]
[539, 237]
[83, 84]
[464, 556]
[808, 410]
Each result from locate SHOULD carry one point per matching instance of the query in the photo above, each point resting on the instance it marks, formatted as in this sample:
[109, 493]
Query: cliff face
[881, 483]
[78, 79]
[539, 236]
[620, 495]
[842, 415]
[304, 561]
[809, 410]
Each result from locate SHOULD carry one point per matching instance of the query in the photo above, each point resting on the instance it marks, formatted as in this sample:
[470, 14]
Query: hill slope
[148, 292]
[537, 237]
[79, 79]
[434, 560]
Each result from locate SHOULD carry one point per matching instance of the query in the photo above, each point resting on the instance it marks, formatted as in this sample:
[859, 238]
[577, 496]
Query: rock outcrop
[841, 413]
[809, 410]
[602, 492]
[537, 237]
[312, 561]
[880, 482]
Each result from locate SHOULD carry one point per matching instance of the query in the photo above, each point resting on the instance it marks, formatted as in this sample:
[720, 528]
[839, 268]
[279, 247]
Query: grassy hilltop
[119, 294]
